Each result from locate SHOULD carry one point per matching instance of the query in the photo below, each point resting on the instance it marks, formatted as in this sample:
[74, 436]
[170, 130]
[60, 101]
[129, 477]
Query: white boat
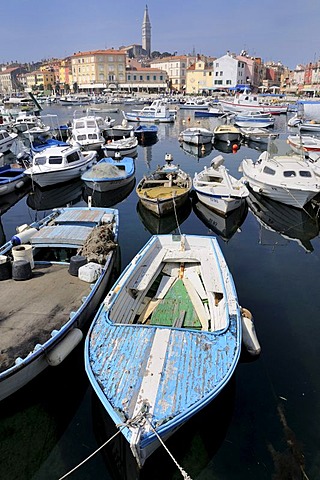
[59, 164]
[88, 131]
[166, 339]
[156, 112]
[119, 131]
[227, 133]
[109, 174]
[304, 143]
[166, 189]
[217, 189]
[124, 147]
[309, 125]
[73, 99]
[249, 101]
[24, 121]
[287, 179]
[193, 104]
[254, 119]
[259, 135]
[196, 135]
[63, 264]
[7, 140]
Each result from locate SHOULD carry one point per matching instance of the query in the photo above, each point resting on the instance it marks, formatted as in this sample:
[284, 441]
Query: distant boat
[196, 135]
[254, 119]
[250, 101]
[166, 340]
[227, 133]
[304, 143]
[12, 178]
[146, 132]
[7, 140]
[156, 112]
[260, 135]
[124, 147]
[109, 174]
[63, 264]
[165, 189]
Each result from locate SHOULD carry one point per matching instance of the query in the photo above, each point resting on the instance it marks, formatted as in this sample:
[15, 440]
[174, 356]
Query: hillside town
[136, 68]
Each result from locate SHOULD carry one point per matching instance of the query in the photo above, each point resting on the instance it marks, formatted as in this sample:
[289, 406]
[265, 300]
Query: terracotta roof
[99, 52]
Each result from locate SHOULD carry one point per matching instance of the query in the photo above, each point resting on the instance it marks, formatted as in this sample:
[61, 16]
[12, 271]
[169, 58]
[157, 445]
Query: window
[129, 77]
[269, 171]
[161, 77]
[141, 77]
[134, 77]
[228, 82]
[55, 160]
[148, 77]
[154, 77]
[73, 157]
[289, 173]
[304, 173]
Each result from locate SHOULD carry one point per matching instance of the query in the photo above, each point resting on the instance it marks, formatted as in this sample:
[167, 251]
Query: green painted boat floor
[176, 309]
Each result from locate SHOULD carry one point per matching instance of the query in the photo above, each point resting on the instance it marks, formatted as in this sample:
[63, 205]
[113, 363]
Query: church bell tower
[146, 32]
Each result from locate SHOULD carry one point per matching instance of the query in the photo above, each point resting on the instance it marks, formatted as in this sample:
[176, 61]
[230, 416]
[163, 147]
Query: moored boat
[58, 164]
[165, 189]
[173, 312]
[53, 275]
[109, 174]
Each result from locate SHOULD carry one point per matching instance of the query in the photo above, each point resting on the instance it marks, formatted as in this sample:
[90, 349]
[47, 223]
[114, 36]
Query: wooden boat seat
[61, 235]
[163, 191]
[92, 217]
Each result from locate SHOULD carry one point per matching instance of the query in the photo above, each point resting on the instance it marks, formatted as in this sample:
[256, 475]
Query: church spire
[146, 32]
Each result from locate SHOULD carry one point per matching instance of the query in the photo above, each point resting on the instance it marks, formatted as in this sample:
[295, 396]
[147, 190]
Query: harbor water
[264, 425]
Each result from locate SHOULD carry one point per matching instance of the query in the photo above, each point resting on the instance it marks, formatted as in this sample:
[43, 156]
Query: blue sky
[279, 30]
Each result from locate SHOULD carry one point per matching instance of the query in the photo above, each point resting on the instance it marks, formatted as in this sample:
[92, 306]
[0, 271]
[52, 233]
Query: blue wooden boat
[109, 174]
[12, 178]
[53, 275]
[146, 131]
[166, 339]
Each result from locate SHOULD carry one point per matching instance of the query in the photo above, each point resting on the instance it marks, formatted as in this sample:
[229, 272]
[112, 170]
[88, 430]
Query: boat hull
[61, 342]
[153, 364]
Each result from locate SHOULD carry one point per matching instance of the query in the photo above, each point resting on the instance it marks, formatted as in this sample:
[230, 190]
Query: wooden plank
[197, 303]
[191, 273]
[179, 321]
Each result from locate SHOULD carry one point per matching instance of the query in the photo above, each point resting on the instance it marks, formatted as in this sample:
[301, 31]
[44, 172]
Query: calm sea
[265, 424]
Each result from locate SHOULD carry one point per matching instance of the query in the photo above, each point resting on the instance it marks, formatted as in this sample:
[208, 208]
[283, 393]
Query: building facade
[99, 69]
[176, 68]
[11, 80]
[199, 76]
[228, 72]
[143, 79]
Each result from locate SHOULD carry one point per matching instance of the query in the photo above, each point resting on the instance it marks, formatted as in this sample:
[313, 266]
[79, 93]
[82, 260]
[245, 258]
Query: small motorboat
[217, 189]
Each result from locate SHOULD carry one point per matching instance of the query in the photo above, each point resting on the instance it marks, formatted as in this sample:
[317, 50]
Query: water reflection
[53, 197]
[108, 199]
[301, 225]
[198, 151]
[166, 224]
[224, 226]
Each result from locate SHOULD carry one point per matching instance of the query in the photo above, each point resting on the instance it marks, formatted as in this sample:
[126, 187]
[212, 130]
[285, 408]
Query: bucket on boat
[5, 268]
[76, 262]
[21, 270]
[23, 252]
